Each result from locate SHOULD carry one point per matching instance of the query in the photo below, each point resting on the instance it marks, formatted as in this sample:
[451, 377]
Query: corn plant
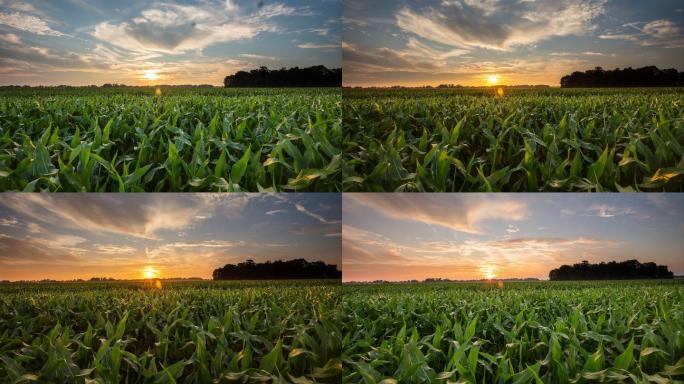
[129, 139]
[545, 332]
[197, 332]
[527, 140]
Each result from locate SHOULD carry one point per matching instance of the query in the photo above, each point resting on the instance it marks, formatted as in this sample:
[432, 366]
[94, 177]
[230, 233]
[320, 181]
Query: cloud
[34, 228]
[368, 255]
[113, 249]
[28, 23]
[179, 249]
[133, 215]
[10, 38]
[30, 249]
[302, 209]
[661, 32]
[442, 209]
[317, 46]
[175, 29]
[512, 229]
[499, 25]
[273, 212]
[606, 211]
[9, 221]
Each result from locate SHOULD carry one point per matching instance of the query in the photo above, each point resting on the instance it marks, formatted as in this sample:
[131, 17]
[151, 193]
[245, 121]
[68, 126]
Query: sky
[431, 42]
[467, 236]
[69, 236]
[142, 42]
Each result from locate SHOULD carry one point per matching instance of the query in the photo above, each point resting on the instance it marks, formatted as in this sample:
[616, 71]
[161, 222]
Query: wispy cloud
[469, 25]
[661, 32]
[28, 23]
[441, 210]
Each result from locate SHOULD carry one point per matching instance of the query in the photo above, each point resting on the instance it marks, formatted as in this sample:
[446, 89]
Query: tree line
[630, 269]
[291, 269]
[316, 76]
[649, 76]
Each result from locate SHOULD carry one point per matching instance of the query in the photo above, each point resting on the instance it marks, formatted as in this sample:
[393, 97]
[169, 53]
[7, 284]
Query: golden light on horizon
[488, 272]
[493, 79]
[151, 74]
[149, 272]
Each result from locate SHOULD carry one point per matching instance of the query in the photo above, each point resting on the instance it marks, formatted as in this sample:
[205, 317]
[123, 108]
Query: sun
[149, 273]
[488, 272]
[151, 74]
[493, 79]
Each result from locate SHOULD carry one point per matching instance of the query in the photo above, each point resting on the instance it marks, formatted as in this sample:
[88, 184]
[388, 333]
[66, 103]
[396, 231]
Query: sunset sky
[403, 236]
[521, 41]
[67, 236]
[81, 42]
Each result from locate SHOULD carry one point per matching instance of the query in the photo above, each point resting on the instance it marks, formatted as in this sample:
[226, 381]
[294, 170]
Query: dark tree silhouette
[641, 77]
[317, 76]
[630, 269]
[291, 269]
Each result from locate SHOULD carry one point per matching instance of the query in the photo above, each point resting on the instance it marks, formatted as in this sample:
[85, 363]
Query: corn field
[547, 332]
[525, 141]
[236, 332]
[180, 139]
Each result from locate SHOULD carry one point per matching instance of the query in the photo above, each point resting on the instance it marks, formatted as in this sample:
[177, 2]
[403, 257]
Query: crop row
[181, 140]
[183, 332]
[551, 140]
[520, 332]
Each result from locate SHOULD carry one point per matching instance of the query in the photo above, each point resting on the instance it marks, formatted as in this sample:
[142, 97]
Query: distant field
[526, 140]
[231, 332]
[545, 332]
[181, 139]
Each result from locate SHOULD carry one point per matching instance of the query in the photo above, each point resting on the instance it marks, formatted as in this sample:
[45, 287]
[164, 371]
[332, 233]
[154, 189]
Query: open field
[526, 140]
[543, 332]
[184, 139]
[228, 332]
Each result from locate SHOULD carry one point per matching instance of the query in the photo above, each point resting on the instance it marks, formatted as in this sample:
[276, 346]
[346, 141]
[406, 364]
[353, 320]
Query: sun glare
[488, 272]
[493, 79]
[149, 273]
[151, 74]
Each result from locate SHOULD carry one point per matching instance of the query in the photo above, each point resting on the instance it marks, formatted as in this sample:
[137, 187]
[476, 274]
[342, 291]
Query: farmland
[226, 332]
[170, 139]
[513, 332]
[521, 140]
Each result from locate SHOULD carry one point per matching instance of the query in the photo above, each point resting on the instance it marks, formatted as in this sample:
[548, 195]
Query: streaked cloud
[28, 23]
[416, 43]
[662, 32]
[470, 236]
[193, 42]
[66, 236]
[430, 209]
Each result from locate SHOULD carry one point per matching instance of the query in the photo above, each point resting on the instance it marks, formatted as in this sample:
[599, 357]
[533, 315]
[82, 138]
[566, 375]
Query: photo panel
[170, 96]
[170, 287]
[502, 288]
[513, 96]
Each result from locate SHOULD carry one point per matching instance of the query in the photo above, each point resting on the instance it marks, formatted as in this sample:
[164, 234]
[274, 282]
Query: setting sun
[493, 79]
[151, 74]
[149, 273]
[488, 272]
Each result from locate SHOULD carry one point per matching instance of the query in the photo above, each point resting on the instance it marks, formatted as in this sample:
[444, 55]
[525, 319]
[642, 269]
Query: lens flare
[488, 272]
[151, 74]
[149, 273]
[493, 79]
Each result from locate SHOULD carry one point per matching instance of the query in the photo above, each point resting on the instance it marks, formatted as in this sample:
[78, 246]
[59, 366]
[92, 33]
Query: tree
[316, 76]
[291, 269]
[649, 76]
[629, 269]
